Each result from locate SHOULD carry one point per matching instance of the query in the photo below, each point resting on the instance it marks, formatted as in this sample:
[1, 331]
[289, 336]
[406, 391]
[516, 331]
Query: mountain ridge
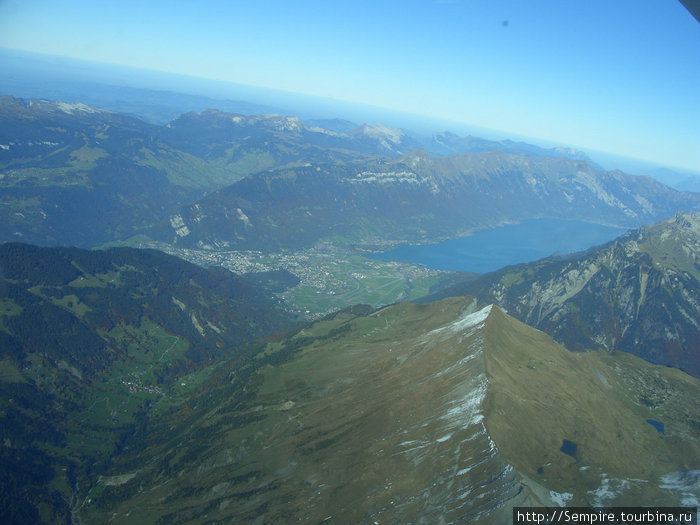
[447, 410]
[408, 415]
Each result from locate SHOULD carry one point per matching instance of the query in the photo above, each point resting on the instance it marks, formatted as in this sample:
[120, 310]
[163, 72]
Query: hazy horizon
[619, 77]
[260, 100]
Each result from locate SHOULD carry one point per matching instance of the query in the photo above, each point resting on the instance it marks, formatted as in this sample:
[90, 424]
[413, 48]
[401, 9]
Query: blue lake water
[658, 425]
[569, 447]
[486, 251]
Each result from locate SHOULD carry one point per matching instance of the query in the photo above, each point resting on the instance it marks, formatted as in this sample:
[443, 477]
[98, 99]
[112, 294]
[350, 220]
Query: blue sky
[621, 76]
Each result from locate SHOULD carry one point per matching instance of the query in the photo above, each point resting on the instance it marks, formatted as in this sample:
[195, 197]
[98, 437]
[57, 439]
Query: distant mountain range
[639, 294]
[447, 143]
[417, 198]
[73, 174]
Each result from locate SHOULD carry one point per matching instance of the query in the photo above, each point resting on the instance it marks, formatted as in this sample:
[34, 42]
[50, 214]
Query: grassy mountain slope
[639, 294]
[72, 174]
[88, 341]
[413, 413]
[540, 395]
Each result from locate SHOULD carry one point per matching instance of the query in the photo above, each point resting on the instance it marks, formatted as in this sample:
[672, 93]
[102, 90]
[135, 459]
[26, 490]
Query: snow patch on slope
[465, 409]
[383, 133]
[468, 322]
[686, 484]
[76, 107]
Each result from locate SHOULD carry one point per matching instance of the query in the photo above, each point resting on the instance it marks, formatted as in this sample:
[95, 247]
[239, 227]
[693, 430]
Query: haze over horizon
[617, 77]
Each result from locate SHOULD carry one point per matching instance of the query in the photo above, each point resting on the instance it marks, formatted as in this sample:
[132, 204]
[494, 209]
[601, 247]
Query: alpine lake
[489, 250]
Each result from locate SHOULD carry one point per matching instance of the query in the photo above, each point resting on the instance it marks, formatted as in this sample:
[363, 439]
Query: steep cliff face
[639, 294]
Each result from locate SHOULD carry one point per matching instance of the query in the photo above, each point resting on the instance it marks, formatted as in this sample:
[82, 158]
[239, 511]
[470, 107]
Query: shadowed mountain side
[420, 413]
[89, 340]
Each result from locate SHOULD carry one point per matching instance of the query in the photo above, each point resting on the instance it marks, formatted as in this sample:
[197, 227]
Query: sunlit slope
[541, 394]
[377, 418]
[414, 413]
